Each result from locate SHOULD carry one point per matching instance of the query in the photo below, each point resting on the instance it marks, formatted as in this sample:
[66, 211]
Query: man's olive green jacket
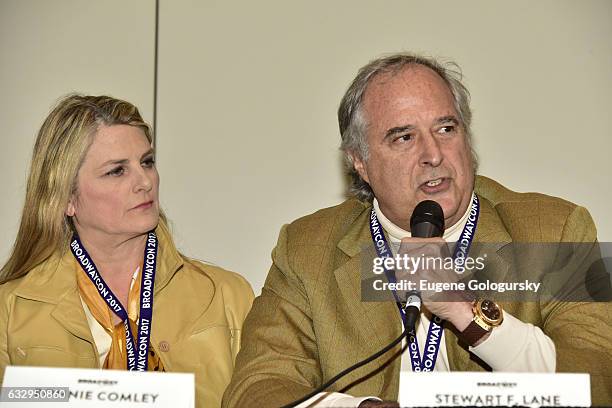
[310, 322]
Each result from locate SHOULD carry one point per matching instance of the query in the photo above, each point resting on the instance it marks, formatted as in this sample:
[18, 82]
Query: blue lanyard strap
[436, 325]
[137, 354]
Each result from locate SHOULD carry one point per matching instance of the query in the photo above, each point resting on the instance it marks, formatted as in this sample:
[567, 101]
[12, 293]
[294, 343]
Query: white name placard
[97, 388]
[490, 389]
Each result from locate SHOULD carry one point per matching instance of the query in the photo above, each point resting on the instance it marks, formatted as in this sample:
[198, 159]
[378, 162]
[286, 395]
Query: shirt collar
[451, 234]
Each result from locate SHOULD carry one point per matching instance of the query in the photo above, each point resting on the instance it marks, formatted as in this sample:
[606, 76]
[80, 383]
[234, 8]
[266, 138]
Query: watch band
[481, 324]
[472, 333]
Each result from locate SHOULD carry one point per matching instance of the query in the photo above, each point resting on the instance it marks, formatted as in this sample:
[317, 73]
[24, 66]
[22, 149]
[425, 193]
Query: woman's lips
[144, 206]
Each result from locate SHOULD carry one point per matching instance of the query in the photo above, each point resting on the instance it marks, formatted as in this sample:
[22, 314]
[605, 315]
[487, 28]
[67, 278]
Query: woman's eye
[117, 171]
[150, 162]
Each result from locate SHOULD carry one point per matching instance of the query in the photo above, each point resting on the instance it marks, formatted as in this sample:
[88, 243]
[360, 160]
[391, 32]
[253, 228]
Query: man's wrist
[462, 315]
[486, 316]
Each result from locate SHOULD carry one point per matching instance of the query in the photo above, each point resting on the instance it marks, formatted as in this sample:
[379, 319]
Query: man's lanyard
[137, 353]
[436, 325]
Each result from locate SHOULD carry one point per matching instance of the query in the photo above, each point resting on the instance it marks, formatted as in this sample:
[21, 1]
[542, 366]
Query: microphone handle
[425, 230]
[412, 310]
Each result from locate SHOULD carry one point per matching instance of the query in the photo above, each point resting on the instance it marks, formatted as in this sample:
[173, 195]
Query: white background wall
[248, 91]
[51, 48]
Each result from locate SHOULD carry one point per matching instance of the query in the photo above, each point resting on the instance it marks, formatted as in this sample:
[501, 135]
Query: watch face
[490, 310]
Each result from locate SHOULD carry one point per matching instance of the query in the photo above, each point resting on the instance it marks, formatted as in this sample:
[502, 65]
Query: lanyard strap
[137, 353]
[436, 325]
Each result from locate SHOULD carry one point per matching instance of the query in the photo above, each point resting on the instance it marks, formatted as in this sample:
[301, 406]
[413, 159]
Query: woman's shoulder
[231, 286]
[9, 292]
[32, 277]
[219, 276]
[45, 281]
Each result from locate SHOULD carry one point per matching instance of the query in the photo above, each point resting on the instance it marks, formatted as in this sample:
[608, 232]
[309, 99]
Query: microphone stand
[412, 313]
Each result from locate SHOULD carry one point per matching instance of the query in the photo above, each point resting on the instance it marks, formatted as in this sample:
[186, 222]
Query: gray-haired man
[405, 127]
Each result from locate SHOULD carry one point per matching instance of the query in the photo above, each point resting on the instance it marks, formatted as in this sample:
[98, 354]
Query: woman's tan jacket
[198, 312]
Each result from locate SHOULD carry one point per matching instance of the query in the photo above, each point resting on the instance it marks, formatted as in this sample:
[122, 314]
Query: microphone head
[427, 220]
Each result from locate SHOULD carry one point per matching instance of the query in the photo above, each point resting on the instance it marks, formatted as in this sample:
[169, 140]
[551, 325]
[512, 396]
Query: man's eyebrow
[398, 129]
[449, 118]
[125, 161]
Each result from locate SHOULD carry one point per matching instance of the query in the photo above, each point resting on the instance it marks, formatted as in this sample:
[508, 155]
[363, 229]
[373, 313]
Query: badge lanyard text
[137, 352]
[436, 325]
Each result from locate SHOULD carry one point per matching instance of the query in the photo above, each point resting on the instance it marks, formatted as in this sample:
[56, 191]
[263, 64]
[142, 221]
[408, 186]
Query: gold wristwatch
[487, 315]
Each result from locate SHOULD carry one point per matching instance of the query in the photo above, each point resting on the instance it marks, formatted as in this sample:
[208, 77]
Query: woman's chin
[148, 225]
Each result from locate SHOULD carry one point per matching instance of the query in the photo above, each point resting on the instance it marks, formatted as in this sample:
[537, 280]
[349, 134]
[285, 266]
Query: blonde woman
[94, 272]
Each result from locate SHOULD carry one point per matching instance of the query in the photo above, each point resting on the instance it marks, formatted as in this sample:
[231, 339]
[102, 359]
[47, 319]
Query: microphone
[427, 221]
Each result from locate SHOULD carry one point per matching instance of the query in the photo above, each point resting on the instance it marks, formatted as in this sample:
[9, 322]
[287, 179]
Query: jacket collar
[169, 259]
[53, 279]
[490, 229]
[54, 282]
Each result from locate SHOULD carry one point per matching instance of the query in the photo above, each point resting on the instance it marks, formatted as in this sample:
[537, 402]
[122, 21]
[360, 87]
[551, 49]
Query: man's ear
[359, 166]
[71, 208]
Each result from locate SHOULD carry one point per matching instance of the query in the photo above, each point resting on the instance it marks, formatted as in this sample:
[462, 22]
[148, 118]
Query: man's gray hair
[352, 121]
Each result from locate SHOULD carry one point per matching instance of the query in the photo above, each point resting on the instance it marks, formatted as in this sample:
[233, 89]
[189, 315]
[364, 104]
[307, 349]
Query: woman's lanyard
[137, 353]
[436, 325]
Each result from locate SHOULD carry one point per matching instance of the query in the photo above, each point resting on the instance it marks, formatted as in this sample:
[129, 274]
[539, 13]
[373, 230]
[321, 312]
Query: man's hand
[431, 263]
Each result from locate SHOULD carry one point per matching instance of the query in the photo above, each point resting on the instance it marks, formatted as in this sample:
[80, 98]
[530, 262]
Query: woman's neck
[116, 257]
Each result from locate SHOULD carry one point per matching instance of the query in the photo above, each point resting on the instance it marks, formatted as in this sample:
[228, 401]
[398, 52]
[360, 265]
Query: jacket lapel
[378, 322]
[70, 314]
[491, 242]
[54, 283]
[169, 260]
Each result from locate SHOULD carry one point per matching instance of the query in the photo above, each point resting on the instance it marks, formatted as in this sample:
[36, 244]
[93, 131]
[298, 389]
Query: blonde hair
[61, 145]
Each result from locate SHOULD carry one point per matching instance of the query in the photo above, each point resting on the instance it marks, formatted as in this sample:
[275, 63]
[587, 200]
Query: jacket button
[164, 346]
